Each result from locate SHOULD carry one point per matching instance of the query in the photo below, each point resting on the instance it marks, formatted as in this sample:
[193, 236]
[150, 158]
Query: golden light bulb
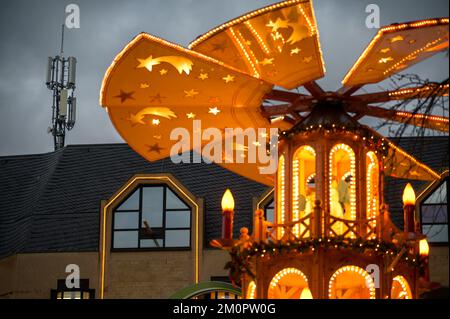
[227, 201]
[424, 249]
[306, 294]
[409, 197]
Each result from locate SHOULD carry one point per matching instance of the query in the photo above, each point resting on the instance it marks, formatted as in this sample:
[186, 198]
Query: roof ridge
[57, 155]
[27, 156]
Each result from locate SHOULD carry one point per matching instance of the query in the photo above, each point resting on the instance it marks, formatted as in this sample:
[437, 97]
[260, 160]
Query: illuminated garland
[241, 258]
[374, 141]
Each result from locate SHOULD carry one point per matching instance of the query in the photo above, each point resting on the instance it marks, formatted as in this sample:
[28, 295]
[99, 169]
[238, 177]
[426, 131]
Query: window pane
[126, 239]
[178, 219]
[439, 195]
[152, 206]
[86, 295]
[151, 243]
[132, 203]
[173, 202]
[72, 294]
[434, 214]
[270, 215]
[126, 220]
[436, 233]
[177, 238]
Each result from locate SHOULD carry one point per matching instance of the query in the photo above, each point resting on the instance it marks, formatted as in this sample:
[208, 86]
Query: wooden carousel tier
[309, 258]
[329, 268]
[314, 270]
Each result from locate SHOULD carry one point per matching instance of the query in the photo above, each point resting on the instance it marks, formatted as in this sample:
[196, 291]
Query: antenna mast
[61, 73]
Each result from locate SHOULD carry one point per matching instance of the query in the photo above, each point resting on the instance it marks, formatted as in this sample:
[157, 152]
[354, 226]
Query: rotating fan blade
[400, 164]
[278, 43]
[397, 47]
[155, 89]
[433, 122]
[283, 109]
[404, 94]
[286, 96]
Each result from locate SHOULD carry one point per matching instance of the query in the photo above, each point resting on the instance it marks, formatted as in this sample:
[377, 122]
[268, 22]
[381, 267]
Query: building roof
[432, 151]
[51, 202]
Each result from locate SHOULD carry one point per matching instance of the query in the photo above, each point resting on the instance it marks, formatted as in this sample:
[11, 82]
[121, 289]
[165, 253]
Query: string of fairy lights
[392, 29]
[371, 188]
[242, 258]
[295, 194]
[281, 195]
[405, 291]
[355, 270]
[251, 290]
[243, 19]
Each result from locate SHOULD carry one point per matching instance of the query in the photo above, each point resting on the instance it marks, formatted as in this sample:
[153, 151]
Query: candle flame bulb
[227, 201]
[409, 197]
[424, 249]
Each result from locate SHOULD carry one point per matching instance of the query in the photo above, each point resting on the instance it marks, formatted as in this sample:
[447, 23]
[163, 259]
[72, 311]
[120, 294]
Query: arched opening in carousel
[303, 189]
[342, 189]
[400, 288]
[251, 290]
[289, 283]
[351, 282]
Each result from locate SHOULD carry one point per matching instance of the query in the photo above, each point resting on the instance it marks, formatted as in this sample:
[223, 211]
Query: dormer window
[152, 217]
[434, 214]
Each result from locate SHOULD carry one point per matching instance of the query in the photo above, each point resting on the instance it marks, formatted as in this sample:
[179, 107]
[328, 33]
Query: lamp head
[409, 197]
[227, 201]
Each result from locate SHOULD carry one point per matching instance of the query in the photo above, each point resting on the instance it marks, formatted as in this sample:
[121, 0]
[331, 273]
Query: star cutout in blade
[155, 148]
[157, 98]
[147, 63]
[214, 99]
[278, 24]
[295, 51]
[219, 46]
[163, 72]
[385, 60]
[135, 119]
[214, 110]
[203, 76]
[191, 93]
[125, 96]
[190, 115]
[266, 61]
[229, 78]
[396, 39]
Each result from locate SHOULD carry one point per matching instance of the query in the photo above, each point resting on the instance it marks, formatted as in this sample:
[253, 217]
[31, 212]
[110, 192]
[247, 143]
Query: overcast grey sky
[30, 32]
